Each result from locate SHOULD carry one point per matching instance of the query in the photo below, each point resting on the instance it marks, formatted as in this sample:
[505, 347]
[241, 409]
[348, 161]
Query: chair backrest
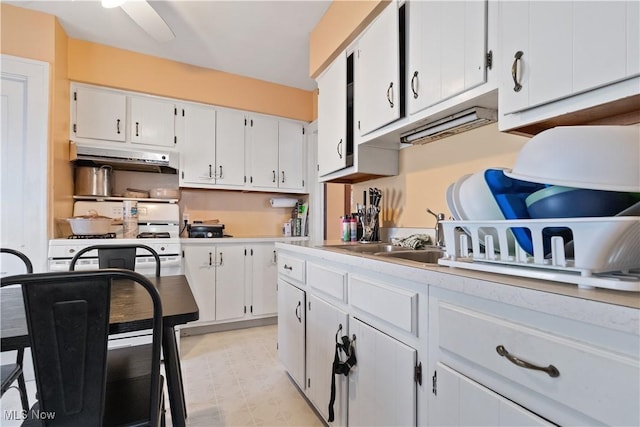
[20, 255]
[116, 256]
[68, 322]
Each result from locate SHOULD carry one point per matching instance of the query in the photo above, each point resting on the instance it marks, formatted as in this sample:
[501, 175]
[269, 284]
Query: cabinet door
[262, 149]
[291, 156]
[324, 321]
[332, 117]
[382, 390]
[447, 47]
[291, 330]
[377, 82]
[459, 401]
[152, 121]
[199, 267]
[264, 283]
[197, 150]
[230, 282]
[100, 114]
[230, 147]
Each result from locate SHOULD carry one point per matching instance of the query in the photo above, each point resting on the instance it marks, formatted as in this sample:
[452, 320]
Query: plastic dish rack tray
[606, 250]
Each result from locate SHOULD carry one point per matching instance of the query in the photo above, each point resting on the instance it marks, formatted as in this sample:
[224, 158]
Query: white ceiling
[266, 40]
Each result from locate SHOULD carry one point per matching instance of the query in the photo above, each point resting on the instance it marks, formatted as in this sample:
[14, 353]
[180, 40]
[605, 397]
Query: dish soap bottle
[346, 228]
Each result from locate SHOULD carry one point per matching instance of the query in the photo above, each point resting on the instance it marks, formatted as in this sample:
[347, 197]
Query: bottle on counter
[346, 228]
[353, 228]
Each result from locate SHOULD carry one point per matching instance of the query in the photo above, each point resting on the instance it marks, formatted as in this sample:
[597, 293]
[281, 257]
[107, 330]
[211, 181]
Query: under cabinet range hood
[124, 158]
[450, 125]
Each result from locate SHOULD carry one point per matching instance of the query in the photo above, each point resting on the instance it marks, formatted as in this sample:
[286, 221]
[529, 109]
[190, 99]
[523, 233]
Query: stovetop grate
[93, 236]
[154, 235]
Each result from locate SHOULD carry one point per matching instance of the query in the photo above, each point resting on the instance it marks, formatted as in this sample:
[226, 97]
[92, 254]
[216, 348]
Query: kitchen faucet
[438, 227]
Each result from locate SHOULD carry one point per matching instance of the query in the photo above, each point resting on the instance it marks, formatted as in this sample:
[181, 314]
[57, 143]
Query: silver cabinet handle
[137, 129]
[210, 171]
[275, 257]
[274, 176]
[414, 87]
[282, 176]
[221, 261]
[551, 370]
[210, 259]
[118, 126]
[390, 91]
[514, 71]
[221, 176]
[339, 148]
[297, 309]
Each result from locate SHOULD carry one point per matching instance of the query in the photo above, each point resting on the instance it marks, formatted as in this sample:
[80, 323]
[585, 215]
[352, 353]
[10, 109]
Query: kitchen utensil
[593, 157]
[93, 181]
[90, 224]
[164, 193]
[567, 202]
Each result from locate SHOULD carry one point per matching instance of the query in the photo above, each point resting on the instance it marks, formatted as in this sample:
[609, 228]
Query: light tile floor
[231, 378]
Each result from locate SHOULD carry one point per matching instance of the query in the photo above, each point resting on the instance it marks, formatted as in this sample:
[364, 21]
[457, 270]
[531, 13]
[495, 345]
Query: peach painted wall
[107, 66]
[338, 27]
[27, 34]
[427, 170]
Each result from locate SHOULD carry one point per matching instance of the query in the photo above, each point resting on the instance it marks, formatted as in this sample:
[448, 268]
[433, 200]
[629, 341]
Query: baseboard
[187, 330]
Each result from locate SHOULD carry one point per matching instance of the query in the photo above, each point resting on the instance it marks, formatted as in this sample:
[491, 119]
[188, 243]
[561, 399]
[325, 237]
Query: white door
[24, 159]
[198, 144]
[324, 322]
[291, 156]
[262, 147]
[291, 330]
[377, 82]
[100, 114]
[230, 282]
[200, 269]
[152, 122]
[459, 401]
[332, 117]
[230, 147]
[382, 390]
[264, 283]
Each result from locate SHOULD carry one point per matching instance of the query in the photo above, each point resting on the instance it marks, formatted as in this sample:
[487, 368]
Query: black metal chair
[76, 377]
[116, 256]
[12, 372]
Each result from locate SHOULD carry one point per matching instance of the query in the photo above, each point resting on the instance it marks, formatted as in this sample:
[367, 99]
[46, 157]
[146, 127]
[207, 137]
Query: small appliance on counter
[200, 230]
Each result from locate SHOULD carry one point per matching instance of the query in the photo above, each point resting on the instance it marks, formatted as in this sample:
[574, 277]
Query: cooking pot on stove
[93, 181]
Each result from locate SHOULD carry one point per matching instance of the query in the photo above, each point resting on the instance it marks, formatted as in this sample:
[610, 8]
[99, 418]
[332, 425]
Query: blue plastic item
[565, 202]
[510, 195]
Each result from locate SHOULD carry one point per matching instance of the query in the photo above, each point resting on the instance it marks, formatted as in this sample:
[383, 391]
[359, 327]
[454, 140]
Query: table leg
[174, 377]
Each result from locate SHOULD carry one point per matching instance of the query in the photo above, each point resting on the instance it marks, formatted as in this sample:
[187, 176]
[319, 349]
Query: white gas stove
[158, 227]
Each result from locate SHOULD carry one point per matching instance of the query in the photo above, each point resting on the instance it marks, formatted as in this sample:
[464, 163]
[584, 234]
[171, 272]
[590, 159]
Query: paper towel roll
[283, 202]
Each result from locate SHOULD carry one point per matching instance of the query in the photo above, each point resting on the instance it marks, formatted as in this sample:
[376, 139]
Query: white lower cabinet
[325, 322]
[459, 401]
[291, 330]
[382, 389]
[230, 282]
[261, 275]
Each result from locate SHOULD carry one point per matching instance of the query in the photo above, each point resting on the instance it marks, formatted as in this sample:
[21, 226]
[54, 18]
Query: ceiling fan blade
[146, 17]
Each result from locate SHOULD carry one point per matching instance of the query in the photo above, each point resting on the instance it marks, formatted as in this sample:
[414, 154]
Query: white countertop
[243, 239]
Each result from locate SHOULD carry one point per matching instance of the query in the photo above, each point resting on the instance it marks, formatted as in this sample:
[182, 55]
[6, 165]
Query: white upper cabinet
[152, 121]
[100, 114]
[447, 50]
[332, 117]
[262, 151]
[198, 145]
[291, 156]
[555, 50]
[377, 81]
[230, 148]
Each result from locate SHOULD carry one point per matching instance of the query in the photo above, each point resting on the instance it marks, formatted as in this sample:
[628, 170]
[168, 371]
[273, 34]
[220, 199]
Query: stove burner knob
[161, 248]
[71, 250]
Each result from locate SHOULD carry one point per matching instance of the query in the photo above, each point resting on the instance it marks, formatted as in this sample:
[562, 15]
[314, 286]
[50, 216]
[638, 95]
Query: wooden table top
[131, 308]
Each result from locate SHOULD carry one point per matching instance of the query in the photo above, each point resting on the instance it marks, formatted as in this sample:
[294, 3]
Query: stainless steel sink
[428, 256]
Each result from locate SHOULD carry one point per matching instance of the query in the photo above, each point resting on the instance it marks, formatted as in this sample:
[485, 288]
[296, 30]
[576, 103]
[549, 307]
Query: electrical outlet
[185, 217]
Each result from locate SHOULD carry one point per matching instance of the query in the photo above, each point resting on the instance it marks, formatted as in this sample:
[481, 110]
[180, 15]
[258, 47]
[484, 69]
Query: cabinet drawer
[589, 380]
[330, 282]
[291, 267]
[393, 305]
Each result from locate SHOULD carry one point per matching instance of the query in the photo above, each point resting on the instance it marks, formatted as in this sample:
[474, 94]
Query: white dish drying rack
[606, 250]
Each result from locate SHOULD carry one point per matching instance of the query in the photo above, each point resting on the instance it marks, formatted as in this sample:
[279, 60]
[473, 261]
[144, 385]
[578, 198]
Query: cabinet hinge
[75, 128]
[245, 121]
[182, 174]
[182, 254]
[251, 251]
[434, 383]
[303, 182]
[308, 382]
[245, 309]
[245, 179]
[75, 96]
[489, 60]
[309, 303]
[175, 139]
[245, 252]
[418, 373]
[251, 308]
[175, 111]
[318, 167]
[251, 179]
[303, 131]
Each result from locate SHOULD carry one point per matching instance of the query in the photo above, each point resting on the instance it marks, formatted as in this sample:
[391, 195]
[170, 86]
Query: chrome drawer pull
[551, 370]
